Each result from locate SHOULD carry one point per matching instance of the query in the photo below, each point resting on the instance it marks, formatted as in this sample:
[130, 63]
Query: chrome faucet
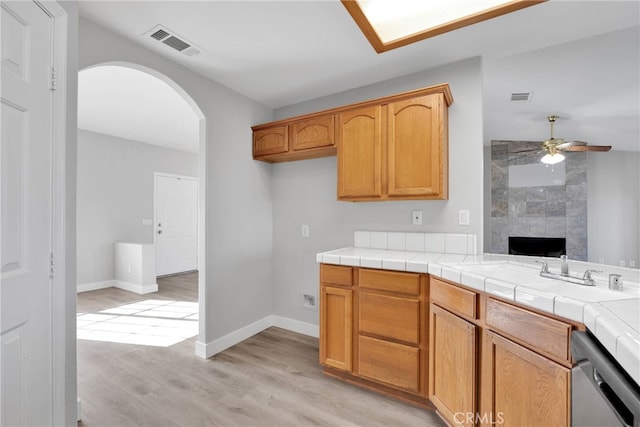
[564, 266]
[586, 280]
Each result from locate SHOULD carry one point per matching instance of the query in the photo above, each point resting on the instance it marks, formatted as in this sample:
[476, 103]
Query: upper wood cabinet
[269, 141]
[417, 148]
[396, 150]
[313, 133]
[301, 139]
[360, 153]
[391, 148]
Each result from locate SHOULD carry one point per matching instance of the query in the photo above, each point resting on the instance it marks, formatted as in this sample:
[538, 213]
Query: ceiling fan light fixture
[552, 159]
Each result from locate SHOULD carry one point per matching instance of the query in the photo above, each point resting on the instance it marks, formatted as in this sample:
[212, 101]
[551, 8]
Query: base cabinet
[522, 387]
[336, 317]
[478, 360]
[453, 366]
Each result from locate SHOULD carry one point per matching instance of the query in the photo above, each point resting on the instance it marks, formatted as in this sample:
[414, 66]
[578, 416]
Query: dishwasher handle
[611, 381]
[622, 411]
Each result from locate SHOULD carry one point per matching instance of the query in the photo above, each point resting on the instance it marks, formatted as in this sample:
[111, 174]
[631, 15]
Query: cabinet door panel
[415, 146]
[360, 153]
[313, 133]
[389, 317]
[526, 389]
[336, 320]
[271, 141]
[452, 366]
[390, 363]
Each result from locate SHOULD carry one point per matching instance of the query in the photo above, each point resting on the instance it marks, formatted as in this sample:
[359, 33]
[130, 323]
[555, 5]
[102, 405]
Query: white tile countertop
[612, 316]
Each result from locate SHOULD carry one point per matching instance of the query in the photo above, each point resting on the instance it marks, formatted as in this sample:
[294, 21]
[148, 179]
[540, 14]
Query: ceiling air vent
[171, 39]
[521, 96]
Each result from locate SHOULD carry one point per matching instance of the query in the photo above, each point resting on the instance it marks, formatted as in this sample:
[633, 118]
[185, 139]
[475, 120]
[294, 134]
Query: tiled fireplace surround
[549, 211]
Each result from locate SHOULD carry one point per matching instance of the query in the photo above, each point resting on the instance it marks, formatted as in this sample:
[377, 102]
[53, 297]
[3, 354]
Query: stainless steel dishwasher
[602, 393]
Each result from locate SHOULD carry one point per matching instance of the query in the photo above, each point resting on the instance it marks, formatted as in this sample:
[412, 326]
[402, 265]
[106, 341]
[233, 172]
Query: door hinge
[54, 78]
[52, 264]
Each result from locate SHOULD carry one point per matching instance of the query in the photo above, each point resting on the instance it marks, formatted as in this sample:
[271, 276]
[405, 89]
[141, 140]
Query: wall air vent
[521, 96]
[171, 39]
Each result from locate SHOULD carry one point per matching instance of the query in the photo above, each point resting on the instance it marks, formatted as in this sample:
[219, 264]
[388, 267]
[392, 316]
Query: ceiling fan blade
[588, 148]
[568, 144]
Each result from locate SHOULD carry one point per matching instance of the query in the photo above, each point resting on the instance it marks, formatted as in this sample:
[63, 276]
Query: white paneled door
[26, 215]
[176, 224]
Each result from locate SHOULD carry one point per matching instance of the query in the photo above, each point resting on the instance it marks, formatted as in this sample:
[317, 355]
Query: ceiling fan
[552, 147]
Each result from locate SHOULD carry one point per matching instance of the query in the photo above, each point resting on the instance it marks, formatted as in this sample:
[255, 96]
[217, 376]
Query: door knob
[159, 231]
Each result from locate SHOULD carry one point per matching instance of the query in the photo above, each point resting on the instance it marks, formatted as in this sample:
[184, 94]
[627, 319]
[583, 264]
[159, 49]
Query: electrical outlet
[416, 217]
[632, 264]
[309, 301]
[600, 260]
[623, 263]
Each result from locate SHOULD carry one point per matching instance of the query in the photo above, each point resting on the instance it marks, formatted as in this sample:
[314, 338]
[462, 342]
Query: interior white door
[176, 224]
[25, 218]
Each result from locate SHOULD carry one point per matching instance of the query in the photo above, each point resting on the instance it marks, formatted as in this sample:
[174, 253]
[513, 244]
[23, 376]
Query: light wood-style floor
[271, 379]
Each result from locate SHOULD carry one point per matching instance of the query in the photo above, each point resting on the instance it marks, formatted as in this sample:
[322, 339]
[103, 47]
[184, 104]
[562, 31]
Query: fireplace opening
[538, 246]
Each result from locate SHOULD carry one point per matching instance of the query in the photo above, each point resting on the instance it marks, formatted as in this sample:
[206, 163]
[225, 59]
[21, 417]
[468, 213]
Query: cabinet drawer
[390, 363]
[401, 283]
[458, 300]
[335, 274]
[390, 317]
[548, 336]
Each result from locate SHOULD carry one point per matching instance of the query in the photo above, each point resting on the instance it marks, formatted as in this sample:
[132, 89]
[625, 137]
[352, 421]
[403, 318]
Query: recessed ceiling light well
[389, 24]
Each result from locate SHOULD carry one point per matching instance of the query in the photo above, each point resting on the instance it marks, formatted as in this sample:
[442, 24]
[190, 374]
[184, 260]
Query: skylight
[389, 24]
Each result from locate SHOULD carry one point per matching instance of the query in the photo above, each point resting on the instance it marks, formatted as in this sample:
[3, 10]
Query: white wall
[114, 194]
[305, 192]
[237, 210]
[613, 186]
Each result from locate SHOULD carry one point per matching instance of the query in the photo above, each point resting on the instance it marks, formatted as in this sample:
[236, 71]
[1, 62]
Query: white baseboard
[216, 346]
[133, 287]
[206, 350]
[127, 286]
[296, 326]
[86, 287]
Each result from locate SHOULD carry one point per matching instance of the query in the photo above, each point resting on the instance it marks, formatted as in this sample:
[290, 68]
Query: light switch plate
[305, 230]
[463, 217]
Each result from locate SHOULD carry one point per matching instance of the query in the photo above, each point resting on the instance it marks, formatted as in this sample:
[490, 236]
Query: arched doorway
[112, 103]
